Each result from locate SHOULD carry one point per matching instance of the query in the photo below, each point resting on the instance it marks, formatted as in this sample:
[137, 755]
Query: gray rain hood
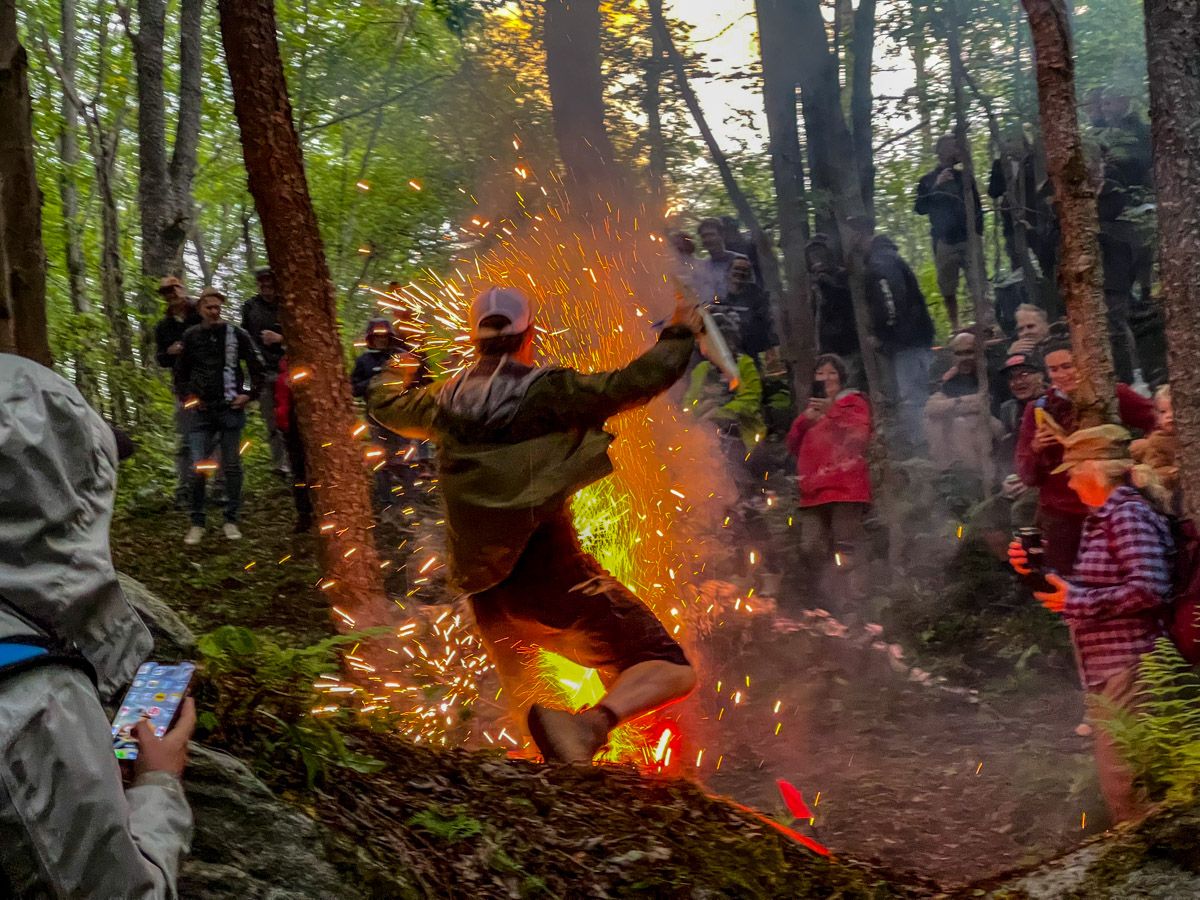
[58, 463]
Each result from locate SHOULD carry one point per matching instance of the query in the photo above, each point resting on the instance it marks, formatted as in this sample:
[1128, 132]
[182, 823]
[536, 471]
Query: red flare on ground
[794, 800]
[819, 849]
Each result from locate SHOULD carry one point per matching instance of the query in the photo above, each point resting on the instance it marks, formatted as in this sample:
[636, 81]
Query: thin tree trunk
[206, 273]
[984, 315]
[796, 322]
[165, 184]
[653, 108]
[571, 37]
[862, 50]
[1075, 195]
[1173, 55]
[308, 310]
[68, 145]
[8, 339]
[21, 198]
[248, 243]
[766, 250]
[919, 52]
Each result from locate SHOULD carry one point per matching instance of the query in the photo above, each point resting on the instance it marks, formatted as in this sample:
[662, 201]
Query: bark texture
[796, 319]
[571, 37]
[308, 310]
[25, 272]
[862, 55]
[1075, 197]
[68, 145]
[1173, 54]
[165, 182]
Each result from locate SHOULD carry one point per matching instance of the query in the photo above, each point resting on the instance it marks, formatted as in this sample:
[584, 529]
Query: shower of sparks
[596, 285]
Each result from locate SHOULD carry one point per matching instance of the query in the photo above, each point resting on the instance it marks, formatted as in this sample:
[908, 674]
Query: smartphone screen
[156, 692]
[818, 390]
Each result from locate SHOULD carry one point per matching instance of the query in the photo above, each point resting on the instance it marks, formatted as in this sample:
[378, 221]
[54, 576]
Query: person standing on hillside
[515, 442]
[212, 375]
[942, 196]
[260, 320]
[168, 344]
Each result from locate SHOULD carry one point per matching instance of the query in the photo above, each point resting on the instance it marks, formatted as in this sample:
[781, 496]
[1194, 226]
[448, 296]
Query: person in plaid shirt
[1116, 600]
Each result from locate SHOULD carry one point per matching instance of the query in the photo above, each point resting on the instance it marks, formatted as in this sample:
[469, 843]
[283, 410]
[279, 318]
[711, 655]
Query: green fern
[1160, 740]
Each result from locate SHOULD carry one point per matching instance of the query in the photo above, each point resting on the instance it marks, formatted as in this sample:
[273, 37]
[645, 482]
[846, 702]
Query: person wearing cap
[1026, 382]
[515, 442]
[952, 427]
[168, 343]
[1060, 514]
[260, 320]
[1117, 597]
[212, 369]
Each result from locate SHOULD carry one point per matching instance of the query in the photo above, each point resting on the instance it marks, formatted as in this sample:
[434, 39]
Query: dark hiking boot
[563, 736]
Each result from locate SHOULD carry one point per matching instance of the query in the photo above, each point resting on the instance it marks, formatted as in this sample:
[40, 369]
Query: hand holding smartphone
[156, 694]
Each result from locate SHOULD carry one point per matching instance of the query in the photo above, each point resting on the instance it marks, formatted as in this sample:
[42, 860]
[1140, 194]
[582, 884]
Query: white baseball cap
[508, 302]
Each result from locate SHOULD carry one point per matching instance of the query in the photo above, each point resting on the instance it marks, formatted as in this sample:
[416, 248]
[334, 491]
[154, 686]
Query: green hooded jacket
[515, 444]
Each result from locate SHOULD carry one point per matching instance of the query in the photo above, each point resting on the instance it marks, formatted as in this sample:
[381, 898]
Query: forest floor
[919, 774]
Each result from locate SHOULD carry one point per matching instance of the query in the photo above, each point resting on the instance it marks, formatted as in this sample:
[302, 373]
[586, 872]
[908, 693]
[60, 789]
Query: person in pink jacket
[829, 440]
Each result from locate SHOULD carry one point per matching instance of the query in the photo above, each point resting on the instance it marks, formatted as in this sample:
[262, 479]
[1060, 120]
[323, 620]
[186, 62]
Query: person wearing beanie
[515, 442]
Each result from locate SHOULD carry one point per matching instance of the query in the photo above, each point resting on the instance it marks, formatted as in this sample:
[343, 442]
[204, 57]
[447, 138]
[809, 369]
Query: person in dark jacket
[260, 320]
[285, 418]
[515, 443]
[168, 344]
[941, 195]
[752, 308]
[900, 326]
[212, 375]
[738, 242]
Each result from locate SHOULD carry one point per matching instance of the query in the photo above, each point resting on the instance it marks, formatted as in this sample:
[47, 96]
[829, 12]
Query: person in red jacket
[1060, 512]
[829, 440]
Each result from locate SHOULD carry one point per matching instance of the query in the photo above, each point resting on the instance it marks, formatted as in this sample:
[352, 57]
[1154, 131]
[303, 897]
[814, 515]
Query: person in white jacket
[67, 826]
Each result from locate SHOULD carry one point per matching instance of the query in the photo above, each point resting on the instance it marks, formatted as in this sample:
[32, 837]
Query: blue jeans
[910, 385]
[210, 430]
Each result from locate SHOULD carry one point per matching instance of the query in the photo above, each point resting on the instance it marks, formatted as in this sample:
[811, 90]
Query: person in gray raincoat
[67, 827]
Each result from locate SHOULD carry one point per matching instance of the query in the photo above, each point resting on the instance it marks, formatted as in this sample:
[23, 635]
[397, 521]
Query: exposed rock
[172, 638]
[248, 844]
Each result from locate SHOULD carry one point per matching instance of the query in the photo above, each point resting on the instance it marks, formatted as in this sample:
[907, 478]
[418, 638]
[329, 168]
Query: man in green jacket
[515, 443]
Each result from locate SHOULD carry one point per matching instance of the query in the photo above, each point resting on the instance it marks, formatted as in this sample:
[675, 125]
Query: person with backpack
[70, 641]
[1118, 597]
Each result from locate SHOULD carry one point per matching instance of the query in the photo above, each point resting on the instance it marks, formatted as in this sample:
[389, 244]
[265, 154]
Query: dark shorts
[560, 598]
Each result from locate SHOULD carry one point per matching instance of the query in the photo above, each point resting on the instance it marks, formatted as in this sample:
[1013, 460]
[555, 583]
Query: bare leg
[638, 690]
[951, 301]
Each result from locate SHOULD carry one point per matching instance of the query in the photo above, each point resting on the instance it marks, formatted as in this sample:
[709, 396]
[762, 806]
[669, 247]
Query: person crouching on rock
[515, 442]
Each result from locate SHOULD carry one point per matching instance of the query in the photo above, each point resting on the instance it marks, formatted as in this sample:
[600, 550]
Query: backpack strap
[20, 654]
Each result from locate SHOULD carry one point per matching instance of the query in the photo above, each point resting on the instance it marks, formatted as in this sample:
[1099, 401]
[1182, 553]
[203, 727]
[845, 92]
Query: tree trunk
[308, 310]
[916, 45]
[112, 268]
[654, 130]
[165, 185]
[1075, 197]
[862, 50]
[571, 37]
[984, 315]
[21, 198]
[1173, 55]
[824, 122]
[766, 251]
[797, 326]
[68, 145]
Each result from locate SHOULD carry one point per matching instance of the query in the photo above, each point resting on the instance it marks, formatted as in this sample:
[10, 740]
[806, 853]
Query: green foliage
[262, 701]
[451, 826]
[1161, 739]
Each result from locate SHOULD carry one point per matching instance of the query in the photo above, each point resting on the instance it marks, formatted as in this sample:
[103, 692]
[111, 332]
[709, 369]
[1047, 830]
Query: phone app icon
[160, 697]
[176, 697]
[153, 711]
[153, 682]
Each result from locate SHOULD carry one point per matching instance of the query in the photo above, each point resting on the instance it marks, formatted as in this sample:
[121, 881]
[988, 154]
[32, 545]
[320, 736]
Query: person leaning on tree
[1060, 513]
[941, 195]
[1116, 599]
[515, 443]
[212, 369]
[260, 320]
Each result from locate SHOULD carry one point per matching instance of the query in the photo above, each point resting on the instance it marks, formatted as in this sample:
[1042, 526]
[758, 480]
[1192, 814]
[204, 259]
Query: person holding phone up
[829, 440]
[69, 640]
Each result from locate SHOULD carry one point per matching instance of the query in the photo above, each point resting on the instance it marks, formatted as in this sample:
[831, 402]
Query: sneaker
[194, 536]
[231, 531]
[563, 736]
